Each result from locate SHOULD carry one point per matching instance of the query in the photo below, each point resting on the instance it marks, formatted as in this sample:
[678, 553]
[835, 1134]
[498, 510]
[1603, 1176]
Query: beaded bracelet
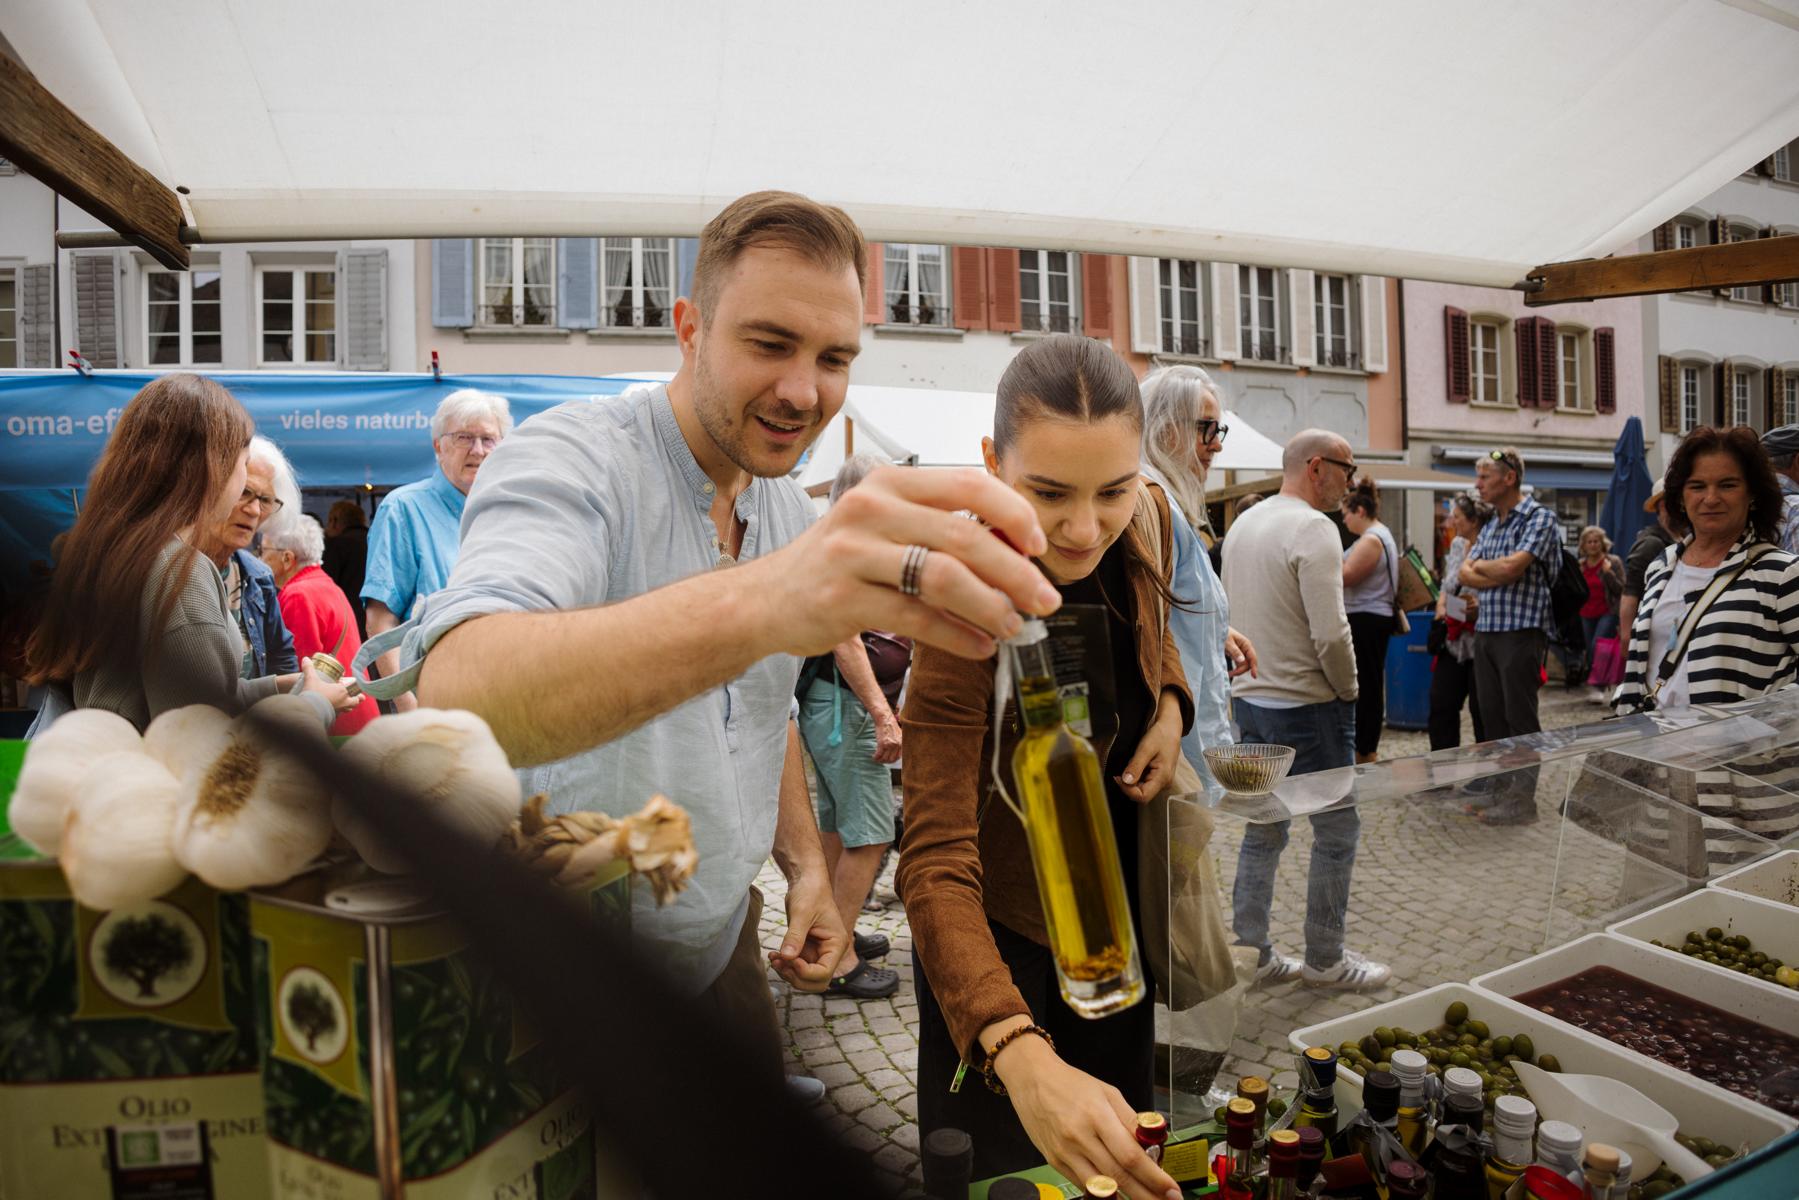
[987, 1071]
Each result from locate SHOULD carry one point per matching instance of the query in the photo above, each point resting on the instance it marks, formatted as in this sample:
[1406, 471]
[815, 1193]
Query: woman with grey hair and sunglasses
[1182, 431]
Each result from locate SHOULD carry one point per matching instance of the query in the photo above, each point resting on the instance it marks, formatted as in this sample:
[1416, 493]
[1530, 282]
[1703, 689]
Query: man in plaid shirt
[1511, 565]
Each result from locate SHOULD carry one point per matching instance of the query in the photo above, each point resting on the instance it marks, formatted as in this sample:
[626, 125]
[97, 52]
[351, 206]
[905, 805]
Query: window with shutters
[917, 281]
[1046, 291]
[1689, 399]
[181, 318]
[296, 316]
[1331, 314]
[1570, 395]
[1182, 328]
[9, 317]
[518, 281]
[637, 283]
[1258, 307]
[1783, 163]
[1686, 235]
[1740, 397]
[1749, 294]
[1483, 361]
[1787, 295]
[1790, 397]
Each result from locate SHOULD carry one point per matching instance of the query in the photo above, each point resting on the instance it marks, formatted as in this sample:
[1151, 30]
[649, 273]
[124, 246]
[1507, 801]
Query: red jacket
[318, 616]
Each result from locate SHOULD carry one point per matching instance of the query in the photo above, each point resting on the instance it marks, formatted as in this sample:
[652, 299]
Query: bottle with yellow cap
[1600, 1167]
[1318, 1097]
[1255, 1089]
[1239, 1181]
[1073, 847]
[1099, 1187]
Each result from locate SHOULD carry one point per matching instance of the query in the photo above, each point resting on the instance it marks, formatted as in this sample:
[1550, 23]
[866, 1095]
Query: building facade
[1482, 371]
[1729, 356]
[308, 306]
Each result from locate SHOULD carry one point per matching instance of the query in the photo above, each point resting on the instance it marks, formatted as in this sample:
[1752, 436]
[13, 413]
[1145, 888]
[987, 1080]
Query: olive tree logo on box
[149, 955]
[312, 1015]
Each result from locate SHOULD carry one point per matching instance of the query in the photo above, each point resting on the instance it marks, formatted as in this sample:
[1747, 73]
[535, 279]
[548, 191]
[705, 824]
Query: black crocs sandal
[865, 983]
[872, 945]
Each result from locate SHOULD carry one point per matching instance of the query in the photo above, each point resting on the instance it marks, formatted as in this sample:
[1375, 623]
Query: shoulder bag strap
[1671, 659]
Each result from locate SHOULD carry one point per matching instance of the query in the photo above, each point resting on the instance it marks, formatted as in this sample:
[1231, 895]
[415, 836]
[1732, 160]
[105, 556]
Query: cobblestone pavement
[1436, 895]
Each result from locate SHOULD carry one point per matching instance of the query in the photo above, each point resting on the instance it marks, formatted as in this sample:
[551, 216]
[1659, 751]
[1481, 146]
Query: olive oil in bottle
[1073, 847]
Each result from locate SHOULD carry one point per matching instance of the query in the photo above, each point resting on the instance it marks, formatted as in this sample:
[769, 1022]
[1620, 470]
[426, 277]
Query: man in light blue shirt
[637, 576]
[412, 544]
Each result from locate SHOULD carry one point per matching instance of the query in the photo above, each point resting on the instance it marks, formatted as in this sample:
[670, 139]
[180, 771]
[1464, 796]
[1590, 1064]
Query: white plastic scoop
[1616, 1114]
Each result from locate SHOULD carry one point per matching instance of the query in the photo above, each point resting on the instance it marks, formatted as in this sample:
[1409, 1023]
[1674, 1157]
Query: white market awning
[1460, 140]
[927, 428]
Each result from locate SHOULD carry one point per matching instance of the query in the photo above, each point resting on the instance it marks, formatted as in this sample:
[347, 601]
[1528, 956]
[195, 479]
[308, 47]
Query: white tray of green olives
[1702, 1110]
[1755, 940]
[1774, 878]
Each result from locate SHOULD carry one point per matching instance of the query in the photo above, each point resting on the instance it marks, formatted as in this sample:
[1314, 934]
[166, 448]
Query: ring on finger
[912, 570]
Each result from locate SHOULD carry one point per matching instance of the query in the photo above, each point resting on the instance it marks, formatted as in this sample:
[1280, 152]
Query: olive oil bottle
[1073, 847]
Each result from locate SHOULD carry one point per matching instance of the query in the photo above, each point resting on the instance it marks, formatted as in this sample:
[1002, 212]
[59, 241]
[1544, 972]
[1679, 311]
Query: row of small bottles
[1407, 1144]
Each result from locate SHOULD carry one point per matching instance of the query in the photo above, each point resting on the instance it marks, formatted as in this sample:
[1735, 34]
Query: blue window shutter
[687, 253]
[453, 283]
[577, 282]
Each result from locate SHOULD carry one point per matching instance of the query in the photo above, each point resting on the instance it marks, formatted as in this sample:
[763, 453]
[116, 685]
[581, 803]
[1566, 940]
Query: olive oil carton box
[395, 1064]
[138, 1016]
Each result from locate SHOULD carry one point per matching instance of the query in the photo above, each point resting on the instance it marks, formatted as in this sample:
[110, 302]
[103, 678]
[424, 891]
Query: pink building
[1557, 383]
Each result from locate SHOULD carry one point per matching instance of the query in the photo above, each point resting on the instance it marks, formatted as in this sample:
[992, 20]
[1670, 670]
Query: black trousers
[1508, 675]
[1119, 1049]
[1452, 685]
[1370, 632]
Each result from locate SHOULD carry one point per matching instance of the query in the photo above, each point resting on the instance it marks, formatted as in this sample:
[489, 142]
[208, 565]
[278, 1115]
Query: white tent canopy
[1460, 140]
[944, 429]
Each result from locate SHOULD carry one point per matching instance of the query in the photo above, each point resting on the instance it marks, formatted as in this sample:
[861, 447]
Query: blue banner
[337, 429]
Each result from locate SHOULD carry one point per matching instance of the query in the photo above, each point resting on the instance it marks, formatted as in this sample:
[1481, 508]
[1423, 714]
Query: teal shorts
[855, 793]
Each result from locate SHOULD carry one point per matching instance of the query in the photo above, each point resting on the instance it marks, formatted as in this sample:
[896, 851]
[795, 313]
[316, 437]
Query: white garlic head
[450, 758]
[56, 761]
[115, 837]
[184, 738]
[255, 815]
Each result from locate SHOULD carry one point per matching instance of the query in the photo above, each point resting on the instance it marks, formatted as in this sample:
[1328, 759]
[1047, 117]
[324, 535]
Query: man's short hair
[1509, 458]
[1306, 445]
[467, 404]
[300, 534]
[822, 233]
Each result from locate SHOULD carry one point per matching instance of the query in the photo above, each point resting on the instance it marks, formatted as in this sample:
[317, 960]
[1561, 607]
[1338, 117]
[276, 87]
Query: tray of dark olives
[1436, 1021]
[1753, 939]
[1735, 1036]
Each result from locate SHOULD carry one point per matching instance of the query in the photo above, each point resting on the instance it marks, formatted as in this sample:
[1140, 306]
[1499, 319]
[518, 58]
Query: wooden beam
[50, 143]
[1738, 264]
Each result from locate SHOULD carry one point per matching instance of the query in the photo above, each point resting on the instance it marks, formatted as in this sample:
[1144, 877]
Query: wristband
[987, 1070]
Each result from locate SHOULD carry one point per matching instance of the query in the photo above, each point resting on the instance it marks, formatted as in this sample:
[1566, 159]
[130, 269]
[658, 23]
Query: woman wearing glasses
[1182, 432]
[269, 492]
[138, 621]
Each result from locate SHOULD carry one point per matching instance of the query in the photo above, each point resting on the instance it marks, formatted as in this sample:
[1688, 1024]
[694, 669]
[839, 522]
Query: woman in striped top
[1723, 496]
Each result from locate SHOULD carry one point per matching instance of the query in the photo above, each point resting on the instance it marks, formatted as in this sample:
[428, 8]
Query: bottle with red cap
[1283, 1165]
[1099, 1187]
[1406, 1181]
[1311, 1159]
[1152, 1134]
[1239, 1179]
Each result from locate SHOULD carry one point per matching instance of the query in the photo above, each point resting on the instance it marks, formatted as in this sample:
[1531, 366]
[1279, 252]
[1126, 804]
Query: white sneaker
[805, 1088]
[1280, 968]
[1352, 973]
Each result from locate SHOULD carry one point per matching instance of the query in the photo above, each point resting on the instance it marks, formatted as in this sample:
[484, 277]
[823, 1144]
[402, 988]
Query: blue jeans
[1323, 735]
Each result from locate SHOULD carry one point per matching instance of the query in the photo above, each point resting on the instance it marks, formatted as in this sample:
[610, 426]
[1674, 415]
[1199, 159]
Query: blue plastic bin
[1408, 675]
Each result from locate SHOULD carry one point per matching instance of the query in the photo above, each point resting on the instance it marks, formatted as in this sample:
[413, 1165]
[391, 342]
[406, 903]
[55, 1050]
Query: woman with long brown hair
[1067, 435]
[137, 620]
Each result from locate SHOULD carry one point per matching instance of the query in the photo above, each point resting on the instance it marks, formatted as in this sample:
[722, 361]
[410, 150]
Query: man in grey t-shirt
[636, 576]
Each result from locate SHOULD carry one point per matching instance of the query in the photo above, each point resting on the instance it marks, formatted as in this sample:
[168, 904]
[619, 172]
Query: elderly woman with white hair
[1182, 431]
[269, 491]
[314, 608]
[413, 542]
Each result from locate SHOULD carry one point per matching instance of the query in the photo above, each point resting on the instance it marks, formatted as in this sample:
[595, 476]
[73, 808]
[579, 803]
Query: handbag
[1402, 625]
[1608, 663]
[1177, 886]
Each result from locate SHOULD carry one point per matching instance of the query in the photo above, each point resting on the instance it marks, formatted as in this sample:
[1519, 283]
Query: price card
[159, 1162]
